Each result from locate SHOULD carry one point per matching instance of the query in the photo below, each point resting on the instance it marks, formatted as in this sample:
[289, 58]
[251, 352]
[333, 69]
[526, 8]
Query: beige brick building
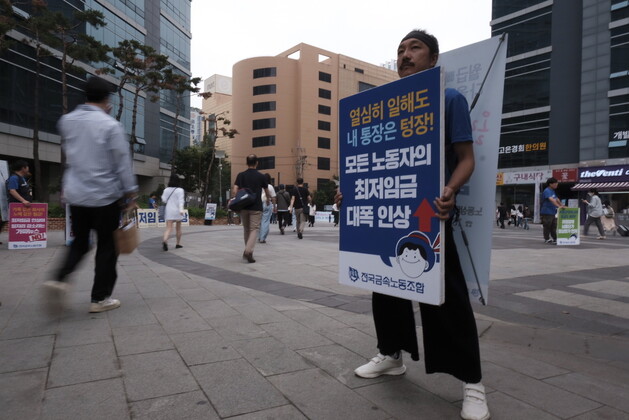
[286, 111]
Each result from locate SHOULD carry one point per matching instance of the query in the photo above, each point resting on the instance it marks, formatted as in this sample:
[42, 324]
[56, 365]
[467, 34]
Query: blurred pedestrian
[300, 198]
[98, 174]
[311, 214]
[267, 210]
[594, 213]
[173, 198]
[283, 215]
[550, 204]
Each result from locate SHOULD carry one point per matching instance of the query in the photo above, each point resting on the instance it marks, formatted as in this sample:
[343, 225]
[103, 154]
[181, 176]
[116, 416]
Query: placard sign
[210, 211]
[391, 171]
[147, 218]
[28, 225]
[568, 226]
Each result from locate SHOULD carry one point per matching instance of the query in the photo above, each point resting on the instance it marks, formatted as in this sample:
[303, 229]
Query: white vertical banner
[4, 201]
[466, 70]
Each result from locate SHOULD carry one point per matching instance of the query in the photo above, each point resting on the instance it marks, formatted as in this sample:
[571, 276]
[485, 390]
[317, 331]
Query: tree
[181, 85]
[325, 195]
[142, 67]
[7, 23]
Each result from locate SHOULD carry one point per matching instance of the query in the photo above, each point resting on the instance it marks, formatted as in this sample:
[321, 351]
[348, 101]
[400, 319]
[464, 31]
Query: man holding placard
[450, 334]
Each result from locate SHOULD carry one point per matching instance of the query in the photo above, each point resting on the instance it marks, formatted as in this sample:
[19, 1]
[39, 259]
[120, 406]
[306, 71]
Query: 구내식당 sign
[391, 148]
[28, 226]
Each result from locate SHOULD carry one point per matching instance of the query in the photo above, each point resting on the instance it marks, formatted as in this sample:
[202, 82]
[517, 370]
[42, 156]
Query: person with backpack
[283, 215]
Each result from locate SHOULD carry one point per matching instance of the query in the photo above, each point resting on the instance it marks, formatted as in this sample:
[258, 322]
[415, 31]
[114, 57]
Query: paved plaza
[201, 334]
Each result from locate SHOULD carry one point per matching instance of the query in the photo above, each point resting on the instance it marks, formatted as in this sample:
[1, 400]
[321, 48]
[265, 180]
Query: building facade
[285, 108]
[566, 98]
[163, 25]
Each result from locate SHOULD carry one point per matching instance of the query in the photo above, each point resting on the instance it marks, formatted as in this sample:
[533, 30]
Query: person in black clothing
[251, 216]
[300, 198]
[283, 202]
[502, 215]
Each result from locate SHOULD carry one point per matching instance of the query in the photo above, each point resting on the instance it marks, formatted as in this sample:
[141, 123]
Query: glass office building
[163, 25]
[566, 98]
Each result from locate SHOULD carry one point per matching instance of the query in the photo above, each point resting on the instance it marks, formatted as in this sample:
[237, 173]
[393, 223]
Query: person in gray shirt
[594, 211]
[98, 182]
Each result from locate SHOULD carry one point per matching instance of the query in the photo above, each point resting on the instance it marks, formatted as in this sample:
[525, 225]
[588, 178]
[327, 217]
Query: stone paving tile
[546, 397]
[444, 386]
[78, 364]
[237, 328]
[603, 413]
[196, 294]
[286, 412]
[131, 314]
[201, 347]
[21, 394]
[141, 339]
[213, 309]
[94, 400]
[403, 400]
[294, 335]
[503, 406]
[594, 388]
[86, 331]
[529, 366]
[25, 353]
[339, 363]
[319, 396]
[181, 320]
[157, 374]
[259, 313]
[235, 387]
[314, 320]
[187, 406]
[270, 356]
[24, 326]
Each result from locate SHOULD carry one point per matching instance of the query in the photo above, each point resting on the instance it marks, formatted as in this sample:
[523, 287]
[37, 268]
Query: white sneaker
[474, 402]
[381, 365]
[104, 305]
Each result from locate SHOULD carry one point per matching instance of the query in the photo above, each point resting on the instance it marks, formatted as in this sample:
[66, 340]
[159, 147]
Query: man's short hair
[300, 181]
[551, 180]
[97, 89]
[428, 39]
[18, 165]
[252, 160]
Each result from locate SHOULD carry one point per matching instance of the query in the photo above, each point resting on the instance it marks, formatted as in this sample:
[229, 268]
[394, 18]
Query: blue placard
[391, 144]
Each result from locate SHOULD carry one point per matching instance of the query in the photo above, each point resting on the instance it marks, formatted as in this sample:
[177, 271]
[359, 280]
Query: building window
[264, 89]
[323, 183]
[362, 86]
[264, 123]
[267, 162]
[527, 33]
[325, 110]
[361, 71]
[325, 94]
[263, 141]
[265, 72]
[325, 77]
[264, 106]
[323, 163]
[323, 143]
[324, 125]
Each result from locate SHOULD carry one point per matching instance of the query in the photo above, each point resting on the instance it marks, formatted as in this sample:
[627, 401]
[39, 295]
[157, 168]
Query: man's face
[554, 185]
[414, 56]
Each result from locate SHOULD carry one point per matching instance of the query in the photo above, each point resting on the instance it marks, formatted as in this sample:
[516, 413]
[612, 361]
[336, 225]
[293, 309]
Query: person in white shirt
[267, 210]
[173, 198]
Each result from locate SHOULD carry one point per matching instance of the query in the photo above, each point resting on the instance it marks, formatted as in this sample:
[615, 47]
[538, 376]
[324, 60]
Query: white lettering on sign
[601, 172]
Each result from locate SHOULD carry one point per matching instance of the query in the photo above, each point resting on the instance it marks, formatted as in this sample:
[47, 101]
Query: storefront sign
[568, 226]
[525, 177]
[523, 148]
[28, 225]
[604, 173]
[566, 175]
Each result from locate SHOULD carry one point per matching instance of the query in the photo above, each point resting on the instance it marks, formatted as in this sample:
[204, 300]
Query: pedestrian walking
[300, 198]
[267, 210]
[283, 202]
[98, 175]
[173, 198]
[251, 215]
[594, 213]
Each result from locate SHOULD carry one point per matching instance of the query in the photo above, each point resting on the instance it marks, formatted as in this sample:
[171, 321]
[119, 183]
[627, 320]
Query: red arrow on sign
[425, 213]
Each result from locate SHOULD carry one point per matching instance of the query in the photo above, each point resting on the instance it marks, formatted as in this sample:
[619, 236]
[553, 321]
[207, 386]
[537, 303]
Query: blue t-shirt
[458, 126]
[19, 184]
[547, 206]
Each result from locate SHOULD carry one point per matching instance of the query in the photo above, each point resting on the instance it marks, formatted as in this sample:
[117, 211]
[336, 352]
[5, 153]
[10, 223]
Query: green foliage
[56, 210]
[196, 212]
[325, 195]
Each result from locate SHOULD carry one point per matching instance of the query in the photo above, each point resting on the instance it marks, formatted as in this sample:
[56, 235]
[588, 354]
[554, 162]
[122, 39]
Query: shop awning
[602, 186]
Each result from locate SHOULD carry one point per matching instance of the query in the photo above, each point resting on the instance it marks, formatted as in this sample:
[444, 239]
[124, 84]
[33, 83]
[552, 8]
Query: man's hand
[26, 203]
[445, 203]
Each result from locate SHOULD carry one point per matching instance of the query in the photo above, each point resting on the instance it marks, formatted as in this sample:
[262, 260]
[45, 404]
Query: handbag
[127, 235]
[244, 198]
[161, 210]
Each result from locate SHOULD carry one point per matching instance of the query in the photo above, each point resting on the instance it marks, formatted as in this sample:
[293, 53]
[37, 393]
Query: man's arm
[19, 198]
[235, 189]
[462, 173]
